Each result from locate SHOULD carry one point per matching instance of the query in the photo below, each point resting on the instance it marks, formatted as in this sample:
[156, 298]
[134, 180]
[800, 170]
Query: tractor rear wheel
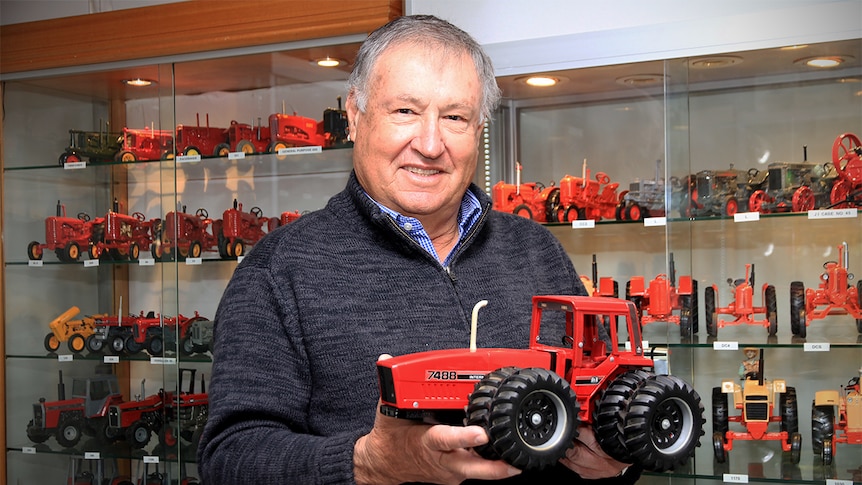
[822, 429]
[685, 326]
[709, 311]
[523, 210]
[695, 308]
[797, 309]
[534, 419]
[52, 343]
[664, 423]
[155, 345]
[771, 310]
[719, 412]
[787, 406]
[132, 347]
[76, 343]
[94, 345]
[138, 435]
[68, 431]
[609, 414]
[479, 407]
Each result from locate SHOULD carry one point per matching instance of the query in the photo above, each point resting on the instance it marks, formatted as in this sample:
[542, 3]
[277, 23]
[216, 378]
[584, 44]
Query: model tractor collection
[742, 308]
[657, 301]
[836, 417]
[759, 402]
[531, 401]
[834, 296]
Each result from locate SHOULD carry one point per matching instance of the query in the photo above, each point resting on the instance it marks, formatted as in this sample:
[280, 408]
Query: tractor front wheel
[534, 419]
[718, 447]
[788, 408]
[797, 309]
[76, 343]
[34, 251]
[771, 310]
[52, 343]
[795, 448]
[664, 423]
[94, 345]
[69, 431]
[523, 210]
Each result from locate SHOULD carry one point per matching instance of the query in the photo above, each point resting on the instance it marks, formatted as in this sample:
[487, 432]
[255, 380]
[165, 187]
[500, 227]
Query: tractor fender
[636, 286]
[826, 398]
[778, 385]
[685, 286]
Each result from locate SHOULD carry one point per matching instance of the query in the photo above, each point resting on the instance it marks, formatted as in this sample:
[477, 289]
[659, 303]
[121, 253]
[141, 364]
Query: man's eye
[455, 118]
[404, 111]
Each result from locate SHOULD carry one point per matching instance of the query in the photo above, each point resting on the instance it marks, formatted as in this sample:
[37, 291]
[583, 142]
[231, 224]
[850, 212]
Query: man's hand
[587, 458]
[398, 450]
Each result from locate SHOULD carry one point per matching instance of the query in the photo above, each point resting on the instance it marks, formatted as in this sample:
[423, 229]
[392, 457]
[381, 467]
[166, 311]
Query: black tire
[106, 433]
[134, 252]
[187, 347]
[771, 309]
[523, 210]
[709, 311]
[37, 435]
[52, 343]
[195, 250]
[118, 344]
[822, 428]
[222, 246]
[720, 410]
[68, 431]
[795, 448]
[685, 326]
[71, 253]
[718, 447]
[695, 307]
[788, 407]
[132, 347]
[155, 345]
[95, 345]
[479, 406]
[797, 309]
[609, 414]
[534, 419]
[138, 435]
[826, 454]
[664, 423]
[34, 251]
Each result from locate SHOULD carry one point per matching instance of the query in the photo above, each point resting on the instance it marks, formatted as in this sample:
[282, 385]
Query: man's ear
[352, 114]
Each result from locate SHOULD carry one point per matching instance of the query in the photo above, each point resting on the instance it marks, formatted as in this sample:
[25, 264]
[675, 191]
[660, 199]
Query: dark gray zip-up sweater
[313, 305]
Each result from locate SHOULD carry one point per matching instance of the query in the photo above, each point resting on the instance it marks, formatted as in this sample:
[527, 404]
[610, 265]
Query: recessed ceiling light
[138, 82]
[714, 62]
[822, 61]
[641, 79]
[329, 62]
[793, 47]
[541, 81]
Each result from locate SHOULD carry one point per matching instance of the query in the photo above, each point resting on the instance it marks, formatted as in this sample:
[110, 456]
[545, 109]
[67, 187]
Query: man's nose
[429, 139]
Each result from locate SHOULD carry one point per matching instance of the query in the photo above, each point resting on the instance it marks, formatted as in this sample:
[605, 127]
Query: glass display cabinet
[702, 188]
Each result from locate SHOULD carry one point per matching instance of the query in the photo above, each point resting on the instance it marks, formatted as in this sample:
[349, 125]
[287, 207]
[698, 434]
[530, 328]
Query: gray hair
[422, 29]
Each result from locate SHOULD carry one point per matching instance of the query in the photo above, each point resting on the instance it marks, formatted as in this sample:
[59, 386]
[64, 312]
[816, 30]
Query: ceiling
[255, 71]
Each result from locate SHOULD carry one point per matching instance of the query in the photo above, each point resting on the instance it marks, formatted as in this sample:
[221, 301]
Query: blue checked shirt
[468, 214]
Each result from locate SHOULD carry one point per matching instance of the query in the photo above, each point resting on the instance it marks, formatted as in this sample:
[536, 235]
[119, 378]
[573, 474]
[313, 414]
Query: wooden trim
[182, 28]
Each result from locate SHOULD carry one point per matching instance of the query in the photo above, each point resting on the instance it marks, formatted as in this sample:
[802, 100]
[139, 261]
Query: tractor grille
[756, 411]
[114, 417]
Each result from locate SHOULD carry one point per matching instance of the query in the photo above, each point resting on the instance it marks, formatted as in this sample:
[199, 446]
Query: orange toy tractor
[742, 308]
[531, 401]
[756, 402]
[658, 301]
[835, 296]
[531, 200]
[582, 198]
[829, 428]
[847, 159]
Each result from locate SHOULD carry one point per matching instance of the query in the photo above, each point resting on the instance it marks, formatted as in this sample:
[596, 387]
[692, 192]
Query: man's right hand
[399, 450]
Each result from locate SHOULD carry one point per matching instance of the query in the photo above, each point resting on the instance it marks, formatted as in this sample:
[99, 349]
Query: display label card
[655, 221]
[193, 261]
[28, 450]
[645, 344]
[188, 158]
[299, 150]
[65, 358]
[816, 346]
[833, 213]
[163, 360]
[89, 263]
[151, 459]
[74, 165]
[833, 481]
[734, 478]
[746, 217]
[111, 359]
[235, 155]
[146, 262]
[36, 263]
[725, 346]
[92, 455]
[583, 224]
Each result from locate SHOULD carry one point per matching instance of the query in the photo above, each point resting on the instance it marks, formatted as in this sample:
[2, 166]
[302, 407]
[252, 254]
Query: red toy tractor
[146, 144]
[202, 140]
[582, 198]
[835, 296]
[294, 131]
[531, 401]
[121, 236]
[742, 309]
[846, 153]
[828, 427]
[790, 188]
[531, 200]
[183, 235]
[64, 235]
[248, 139]
[658, 301]
[755, 400]
[711, 193]
[243, 229]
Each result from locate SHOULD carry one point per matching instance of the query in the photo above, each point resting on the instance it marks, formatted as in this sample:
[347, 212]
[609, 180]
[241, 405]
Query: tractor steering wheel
[255, 211]
[202, 213]
[83, 216]
[139, 216]
[602, 178]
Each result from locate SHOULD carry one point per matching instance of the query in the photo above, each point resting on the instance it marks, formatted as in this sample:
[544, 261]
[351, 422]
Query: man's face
[416, 145]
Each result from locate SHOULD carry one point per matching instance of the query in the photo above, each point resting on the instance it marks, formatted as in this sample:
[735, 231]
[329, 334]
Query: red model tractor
[847, 159]
[711, 193]
[185, 235]
[294, 131]
[64, 235]
[241, 230]
[122, 236]
[828, 427]
[755, 400]
[582, 198]
[835, 296]
[531, 401]
[790, 188]
[742, 309]
[658, 301]
[202, 140]
[531, 200]
[248, 139]
[146, 144]
[130, 334]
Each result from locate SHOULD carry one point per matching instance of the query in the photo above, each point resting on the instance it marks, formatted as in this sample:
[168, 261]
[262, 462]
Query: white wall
[18, 11]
